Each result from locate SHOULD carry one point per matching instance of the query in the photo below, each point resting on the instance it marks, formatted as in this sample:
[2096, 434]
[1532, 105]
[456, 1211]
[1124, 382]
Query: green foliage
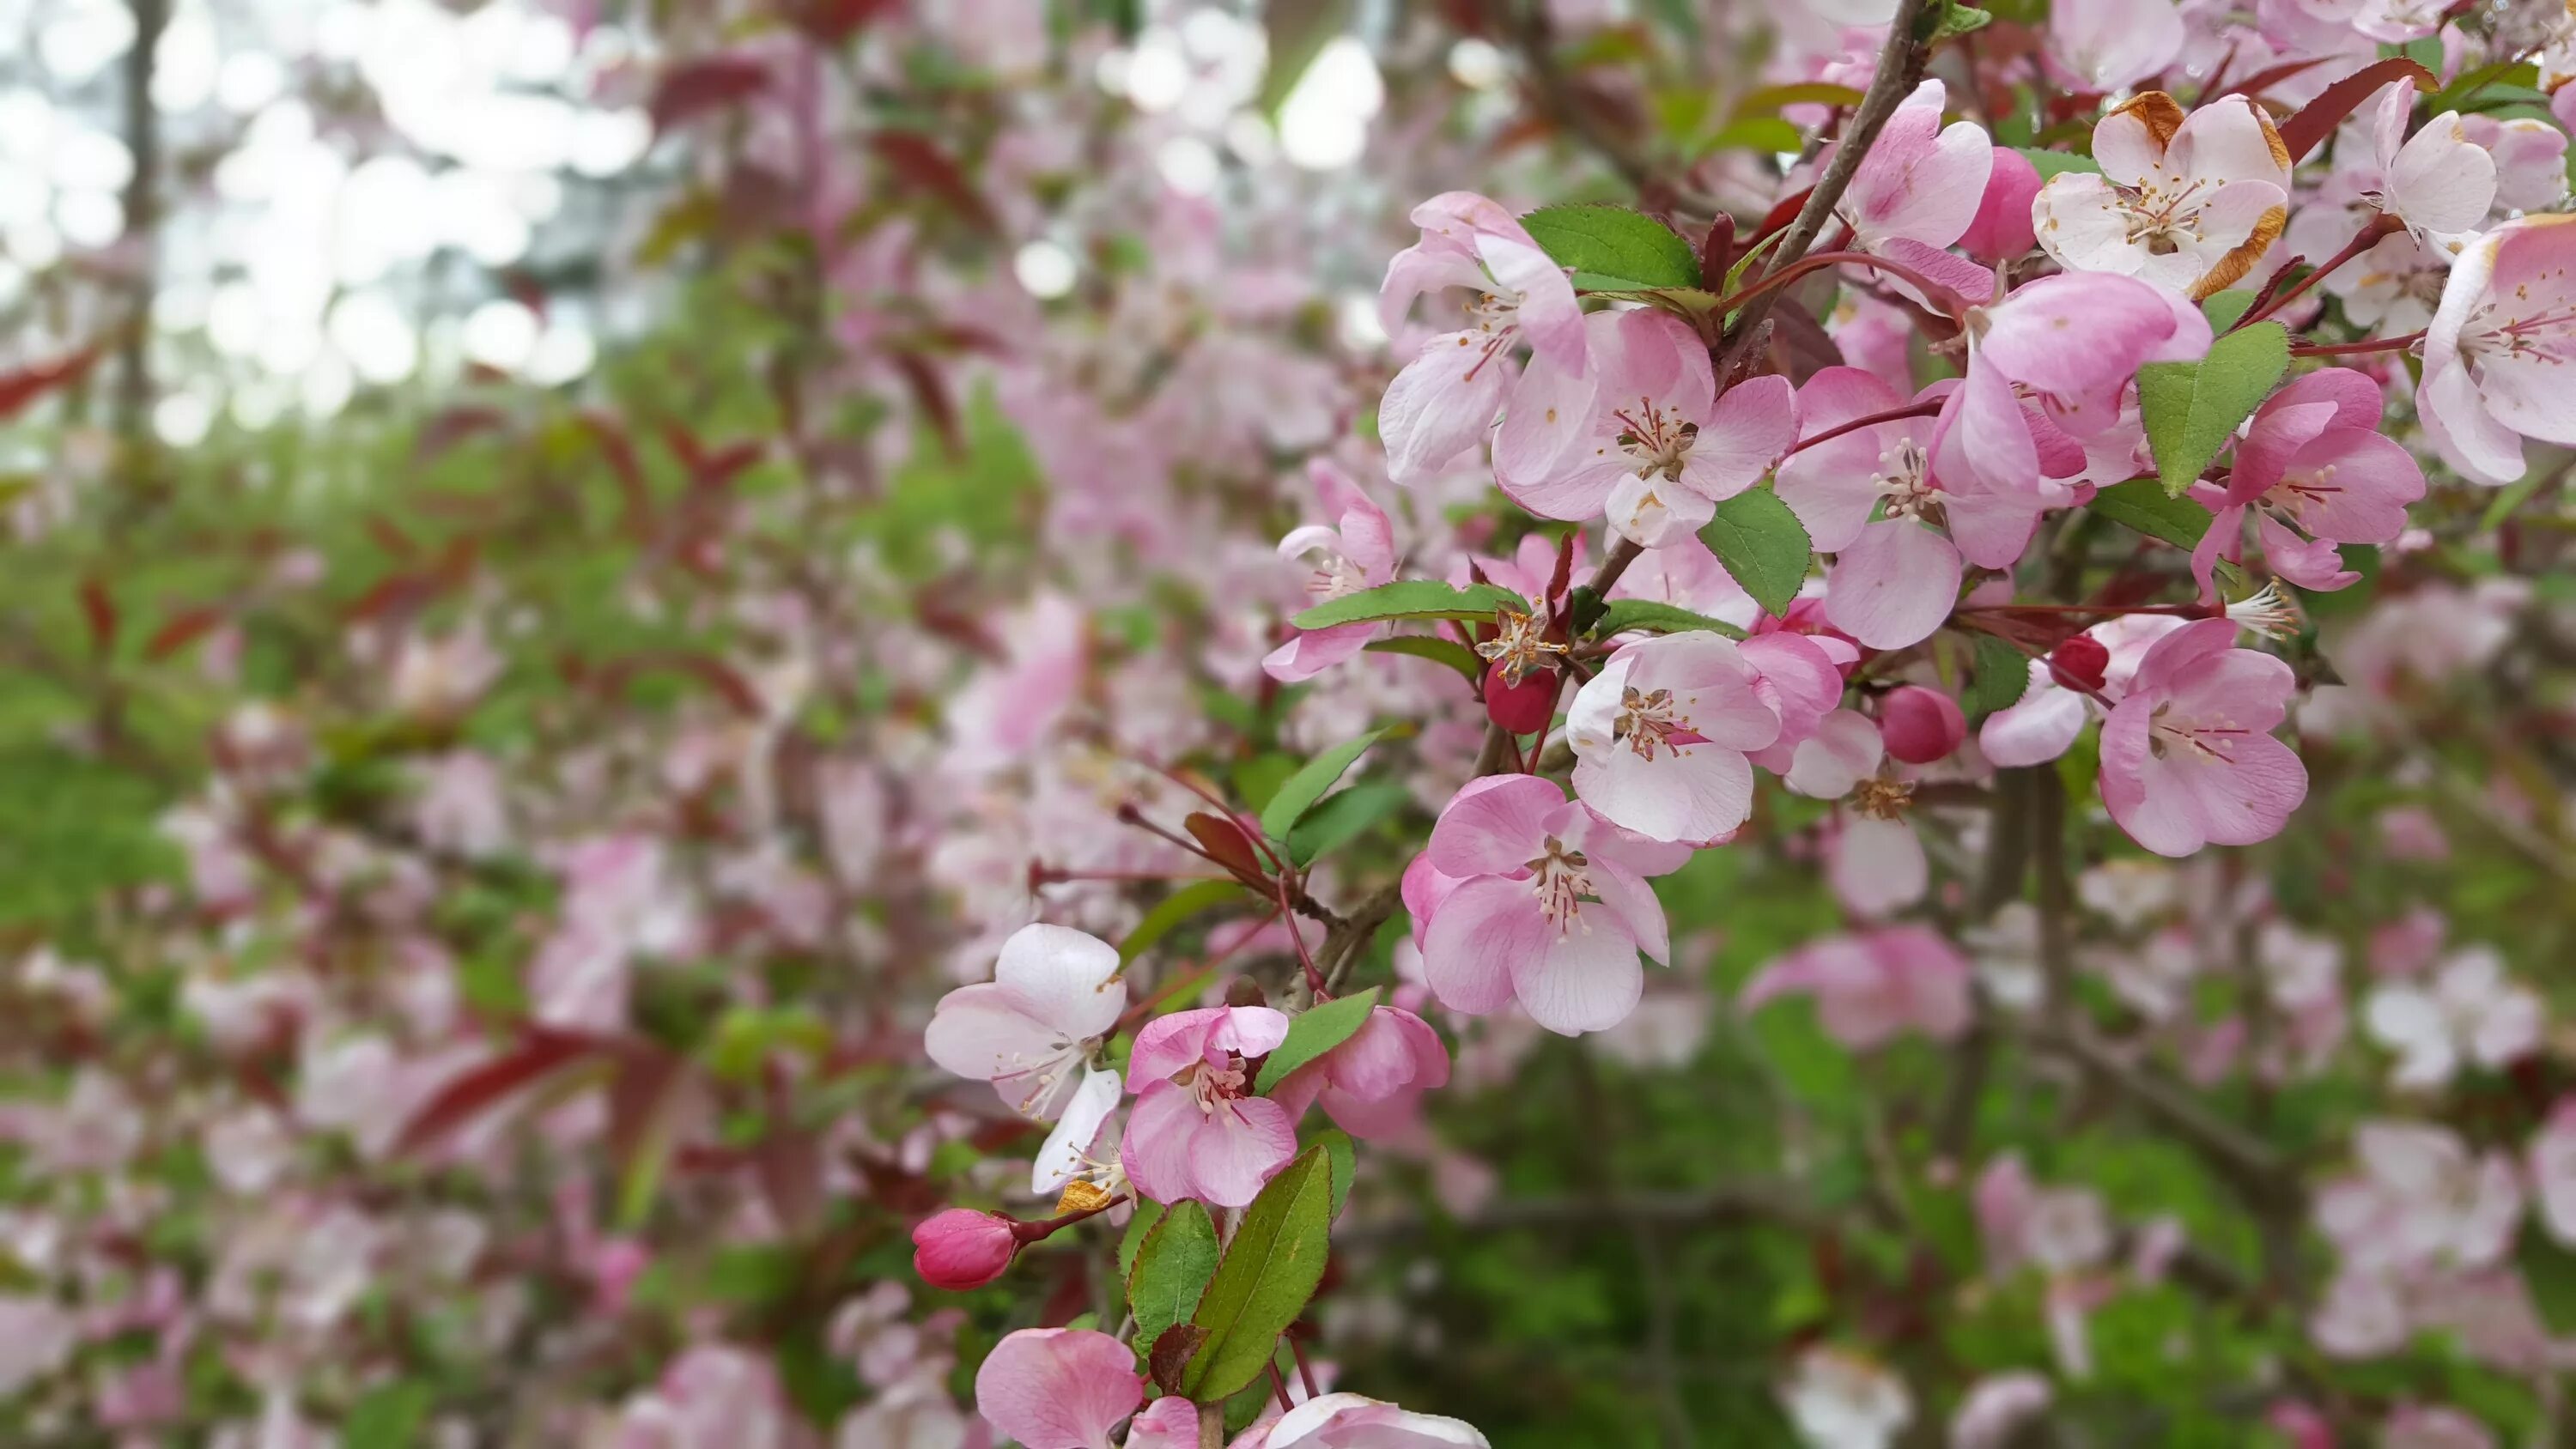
[1412, 599]
[1762, 545]
[1998, 678]
[1298, 793]
[1315, 1031]
[1450, 652]
[2191, 409]
[1171, 1269]
[1613, 249]
[1271, 1267]
[1343, 818]
[1623, 615]
[2142, 505]
[2057, 163]
[1172, 911]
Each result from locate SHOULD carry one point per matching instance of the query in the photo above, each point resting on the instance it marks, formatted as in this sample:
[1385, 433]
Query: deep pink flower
[1196, 1132]
[2187, 758]
[1873, 986]
[1058, 1388]
[1354, 552]
[1660, 737]
[1550, 906]
[2316, 472]
[1443, 401]
[2001, 229]
[961, 1248]
[1920, 725]
[1369, 1084]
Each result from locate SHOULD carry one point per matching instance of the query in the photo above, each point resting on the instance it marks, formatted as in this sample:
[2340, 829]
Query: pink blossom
[1058, 1388]
[2186, 202]
[1654, 445]
[2436, 1427]
[2048, 717]
[2530, 159]
[962, 1248]
[1875, 864]
[2187, 757]
[2553, 1171]
[1055, 993]
[2001, 229]
[2312, 466]
[1442, 402]
[1170, 1422]
[2420, 1200]
[1196, 1132]
[2111, 45]
[1349, 1421]
[1997, 1407]
[1551, 906]
[1840, 1399]
[2469, 1012]
[1921, 181]
[1370, 1084]
[1660, 737]
[2494, 353]
[2439, 182]
[1873, 986]
[1354, 552]
[1843, 751]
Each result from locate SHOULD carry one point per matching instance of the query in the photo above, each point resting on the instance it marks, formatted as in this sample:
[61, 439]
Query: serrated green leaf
[1299, 792]
[2057, 163]
[1624, 615]
[2223, 308]
[2143, 505]
[1171, 1270]
[2002, 673]
[388, 1417]
[2191, 409]
[1411, 599]
[1269, 1272]
[1763, 547]
[1148, 1212]
[1169, 912]
[1613, 249]
[1314, 1032]
[1342, 819]
[1440, 651]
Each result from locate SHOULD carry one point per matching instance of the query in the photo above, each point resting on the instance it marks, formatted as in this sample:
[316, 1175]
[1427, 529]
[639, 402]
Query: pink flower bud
[1920, 725]
[2002, 226]
[962, 1248]
[2081, 661]
[1523, 708]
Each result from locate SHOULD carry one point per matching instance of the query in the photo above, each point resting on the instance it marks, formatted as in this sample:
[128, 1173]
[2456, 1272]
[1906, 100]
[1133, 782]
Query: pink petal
[1058, 1388]
[1894, 586]
[1494, 827]
[1440, 405]
[1239, 1147]
[1581, 979]
[1484, 927]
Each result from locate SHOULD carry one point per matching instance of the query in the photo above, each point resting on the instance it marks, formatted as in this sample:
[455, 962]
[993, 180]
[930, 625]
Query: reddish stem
[1923, 409]
[2369, 236]
[2355, 349]
[1818, 261]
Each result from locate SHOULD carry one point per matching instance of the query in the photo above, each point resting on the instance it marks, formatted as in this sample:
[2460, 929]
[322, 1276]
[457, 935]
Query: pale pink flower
[1371, 1083]
[1170, 1422]
[1685, 574]
[1550, 906]
[1873, 986]
[1997, 1407]
[2494, 353]
[2530, 159]
[1653, 445]
[1054, 995]
[2439, 181]
[2469, 1012]
[1058, 1388]
[2437, 1427]
[2187, 758]
[1196, 1131]
[1660, 737]
[1843, 751]
[2111, 45]
[1875, 865]
[2420, 1200]
[2185, 202]
[1350, 1421]
[2553, 1171]
[1921, 181]
[1839, 1399]
[2393, 287]
[1443, 401]
[2314, 471]
[1356, 551]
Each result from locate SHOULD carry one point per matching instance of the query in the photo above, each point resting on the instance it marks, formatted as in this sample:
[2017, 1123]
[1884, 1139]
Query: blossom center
[2211, 740]
[2162, 213]
[1561, 879]
[2495, 333]
[1904, 479]
[1211, 1084]
[1657, 440]
[1520, 646]
[1650, 720]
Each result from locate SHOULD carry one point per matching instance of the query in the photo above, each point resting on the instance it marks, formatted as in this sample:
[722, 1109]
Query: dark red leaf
[1226, 843]
[453, 426]
[1172, 1353]
[930, 394]
[2263, 80]
[700, 87]
[2316, 120]
[543, 1052]
[833, 21]
[183, 629]
[1777, 219]
[921, 164]
[100, 610]
[26, 384]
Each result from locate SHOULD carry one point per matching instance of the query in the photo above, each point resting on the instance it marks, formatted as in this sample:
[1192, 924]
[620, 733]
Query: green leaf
[1440, 651]
[1756, 133]
[2057, 163]
[1627, 614]
[1270, 1270]
[2002, 674]
[389, 1417]
[1148, 1212]
[1613, 249]
[2223, 308]
[1412, 599]
[1958, 19]
[1762, 545]
[2143, 505]
[1299, 792]
[1343, 1158]
[1771, 100]
[2191, 409]
[1342, 819]
[1169, 912]
[1314, 1032]
[1172, 1269]
[1735, 271]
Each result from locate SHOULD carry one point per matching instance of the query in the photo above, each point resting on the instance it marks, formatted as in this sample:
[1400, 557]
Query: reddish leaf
[100, 610]
[454, 425]
[930, 394]
[833, 21]
[2263, 80]
[790, 1166]
[1172, 1352]
[1225, 841]
[390, 537]
[25, 385]
[183, 629]
[921, 164]
[619, 450]
[543, 1052]
[1777, 219]
[696, 89]
[2307, 130]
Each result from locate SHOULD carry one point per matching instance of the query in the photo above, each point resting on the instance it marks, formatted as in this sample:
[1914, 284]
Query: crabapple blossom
[2421, 1199]
[960, 1248]
[1058, 1388]
[1055, 993]
[2553, 1171]
[2506, 324]
[1443, 401]
[2001, 229]
[1920, 185]
[2315, 472]
[2187, 755]
[1354, 552]
[2188, 202]
[1997, 1407]
[1545, 902]
[1839, 1399]
[1369, 1083]
[1660, 737]
[2470, 1012]
[2111, 45]
[1196, 1131]
[1873, 986]
[2439, 181]
[1350, 1421]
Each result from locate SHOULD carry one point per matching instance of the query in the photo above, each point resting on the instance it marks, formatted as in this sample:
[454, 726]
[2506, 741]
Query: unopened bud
[1522, 708]
[1920, 725]
[962, 1248]
[2081, 661]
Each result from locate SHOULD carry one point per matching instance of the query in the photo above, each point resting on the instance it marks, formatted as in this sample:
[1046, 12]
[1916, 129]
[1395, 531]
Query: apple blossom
[1058, 1388]
[2506, 324]
[1196, 1131]
[2314, 471]
[2439, 181]
[2187, 202]
[1350, 1421]
[2553, 1171]
[2421, 1199]
[961, 1249]
[1356, 551]
[1368, 1083]
[1660, 737]
[2112, 45]
[1839, 1399]
[2187, 756]
[1873, 986]
[2469, 1012]
[1919, 187]
[1055, 993]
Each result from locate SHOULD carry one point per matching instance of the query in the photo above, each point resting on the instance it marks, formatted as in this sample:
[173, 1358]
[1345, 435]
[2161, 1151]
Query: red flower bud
[1920, 725]
[1523, 708]
[962, 1248]
[2081, 661]
[2002, 226]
